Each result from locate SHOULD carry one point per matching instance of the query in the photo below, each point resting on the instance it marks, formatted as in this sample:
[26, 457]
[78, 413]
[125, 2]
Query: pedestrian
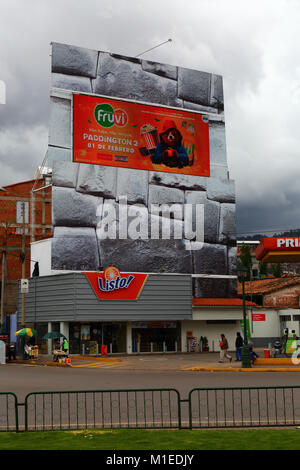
[253, 355]
[224, 349]
[238, 347]
[65, 345]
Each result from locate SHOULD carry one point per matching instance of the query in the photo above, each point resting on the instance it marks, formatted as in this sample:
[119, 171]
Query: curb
[37, 363]
[275, 361]
[228, 369]
[57, 364]
[93, 358]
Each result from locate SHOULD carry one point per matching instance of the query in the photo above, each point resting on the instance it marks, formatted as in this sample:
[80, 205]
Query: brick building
[275, 292]
[25, 216]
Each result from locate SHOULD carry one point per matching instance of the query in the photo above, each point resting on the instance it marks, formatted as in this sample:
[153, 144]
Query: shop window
[284, 318]
[296, 317]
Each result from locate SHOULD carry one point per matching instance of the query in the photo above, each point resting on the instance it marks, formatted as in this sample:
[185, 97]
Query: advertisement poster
[145, 137]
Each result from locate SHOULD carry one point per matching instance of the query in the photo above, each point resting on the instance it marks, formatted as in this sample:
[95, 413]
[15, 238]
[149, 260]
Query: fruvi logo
[2, 92]
[107, 116]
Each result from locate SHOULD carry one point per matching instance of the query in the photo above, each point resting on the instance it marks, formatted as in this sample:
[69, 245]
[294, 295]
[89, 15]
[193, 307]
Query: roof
[266, 286]
[206, 302]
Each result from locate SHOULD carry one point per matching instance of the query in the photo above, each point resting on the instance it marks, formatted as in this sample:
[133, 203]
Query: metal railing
[8, 412]
[221, 407]
[244, 407]
[142, 408]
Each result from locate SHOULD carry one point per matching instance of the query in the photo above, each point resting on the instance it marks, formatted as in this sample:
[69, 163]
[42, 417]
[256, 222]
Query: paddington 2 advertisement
[132, 135]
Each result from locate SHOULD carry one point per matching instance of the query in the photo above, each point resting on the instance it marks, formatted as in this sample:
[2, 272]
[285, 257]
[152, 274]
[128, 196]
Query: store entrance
[162, 337]
[87, 339]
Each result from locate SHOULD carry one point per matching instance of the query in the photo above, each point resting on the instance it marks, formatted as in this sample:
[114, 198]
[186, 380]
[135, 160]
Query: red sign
[258, 316]
[274, 244]
[113, 285]
[145, 137]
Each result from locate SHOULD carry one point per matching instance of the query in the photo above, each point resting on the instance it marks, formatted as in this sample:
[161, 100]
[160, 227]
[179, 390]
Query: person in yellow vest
[65, 345]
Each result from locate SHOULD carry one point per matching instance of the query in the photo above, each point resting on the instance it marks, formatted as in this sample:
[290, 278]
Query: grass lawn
[262, 439]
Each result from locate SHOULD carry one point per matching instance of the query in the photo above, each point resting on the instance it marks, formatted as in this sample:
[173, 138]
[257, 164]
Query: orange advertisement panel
[113, 285]
[145, 137]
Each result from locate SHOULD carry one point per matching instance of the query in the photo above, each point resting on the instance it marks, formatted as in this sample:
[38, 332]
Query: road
[22, 379]
[154, 409]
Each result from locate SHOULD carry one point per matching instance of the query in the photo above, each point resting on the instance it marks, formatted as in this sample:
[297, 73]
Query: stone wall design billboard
[83, 193]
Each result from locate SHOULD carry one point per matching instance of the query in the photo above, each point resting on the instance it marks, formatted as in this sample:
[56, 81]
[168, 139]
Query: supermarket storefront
[127, 312]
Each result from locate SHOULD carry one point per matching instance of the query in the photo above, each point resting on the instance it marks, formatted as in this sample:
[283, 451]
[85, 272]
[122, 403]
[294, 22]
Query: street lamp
[242, 272]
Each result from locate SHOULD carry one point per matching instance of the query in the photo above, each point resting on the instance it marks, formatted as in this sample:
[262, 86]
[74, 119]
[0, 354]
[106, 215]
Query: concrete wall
[211, 331]
[84, 187]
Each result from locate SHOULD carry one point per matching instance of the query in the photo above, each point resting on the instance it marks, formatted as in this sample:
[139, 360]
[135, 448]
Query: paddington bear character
[170, 150]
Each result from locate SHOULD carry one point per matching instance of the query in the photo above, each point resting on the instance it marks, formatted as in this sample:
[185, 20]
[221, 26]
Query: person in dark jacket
[238, 347]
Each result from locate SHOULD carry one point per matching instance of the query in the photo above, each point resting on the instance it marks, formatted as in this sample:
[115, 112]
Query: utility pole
[23, 264]
[3, 278]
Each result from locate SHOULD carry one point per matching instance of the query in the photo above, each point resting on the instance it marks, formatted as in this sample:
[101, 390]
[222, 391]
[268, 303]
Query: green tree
[245, 258]
[277, 270]
[263, 269]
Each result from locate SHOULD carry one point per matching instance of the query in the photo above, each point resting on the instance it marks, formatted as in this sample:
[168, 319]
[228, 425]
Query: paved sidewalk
[168, 361]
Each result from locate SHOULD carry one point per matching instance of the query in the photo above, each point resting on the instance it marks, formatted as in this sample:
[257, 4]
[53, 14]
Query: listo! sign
[113, 285]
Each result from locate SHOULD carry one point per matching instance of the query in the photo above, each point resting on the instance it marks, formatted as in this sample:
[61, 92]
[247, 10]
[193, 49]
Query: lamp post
[246, 359]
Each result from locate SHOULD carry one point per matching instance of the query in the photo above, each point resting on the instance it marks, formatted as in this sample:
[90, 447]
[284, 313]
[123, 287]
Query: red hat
[168, 124]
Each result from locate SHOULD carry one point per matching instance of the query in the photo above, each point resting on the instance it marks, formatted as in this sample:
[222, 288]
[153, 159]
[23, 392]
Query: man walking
[224, 349]
[238, 347]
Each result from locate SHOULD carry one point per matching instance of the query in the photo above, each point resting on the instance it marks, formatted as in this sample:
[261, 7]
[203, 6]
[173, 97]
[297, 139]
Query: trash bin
[267, 353]
[104, 350]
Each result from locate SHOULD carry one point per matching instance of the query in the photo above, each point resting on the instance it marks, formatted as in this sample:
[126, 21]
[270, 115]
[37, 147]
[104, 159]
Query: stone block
[211, 288]
[176, 180]
[128, 80]
[165, 228]
[70, 208]
[133, 184]
[58, 154]
[73, 60]
[165, 195]
[217, 143]
[232, 260]
[216, 93]
[146, 255]
[60, 122]
[219, 171]
[210, 259]
[220, 190]
[199, 107]
[64, 174]
[98, 180]
[71, 82]
[194, 86]
[164, 70]
[227, 224]
[68, 242]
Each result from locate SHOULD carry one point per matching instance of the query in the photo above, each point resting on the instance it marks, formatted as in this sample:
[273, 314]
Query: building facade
[25, 215]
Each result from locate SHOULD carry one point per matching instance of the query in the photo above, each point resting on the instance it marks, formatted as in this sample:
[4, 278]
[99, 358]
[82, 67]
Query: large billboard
[140, 174]
[131, 135]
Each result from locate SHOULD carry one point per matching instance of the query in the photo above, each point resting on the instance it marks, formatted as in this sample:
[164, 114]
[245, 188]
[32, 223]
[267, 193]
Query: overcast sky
[253, 44]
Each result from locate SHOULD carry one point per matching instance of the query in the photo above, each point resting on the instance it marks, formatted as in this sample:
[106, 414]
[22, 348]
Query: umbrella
[26, 332]
[53, 335]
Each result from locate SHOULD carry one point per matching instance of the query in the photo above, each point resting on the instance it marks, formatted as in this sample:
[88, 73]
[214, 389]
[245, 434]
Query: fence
[152, 409]
[8, 412]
